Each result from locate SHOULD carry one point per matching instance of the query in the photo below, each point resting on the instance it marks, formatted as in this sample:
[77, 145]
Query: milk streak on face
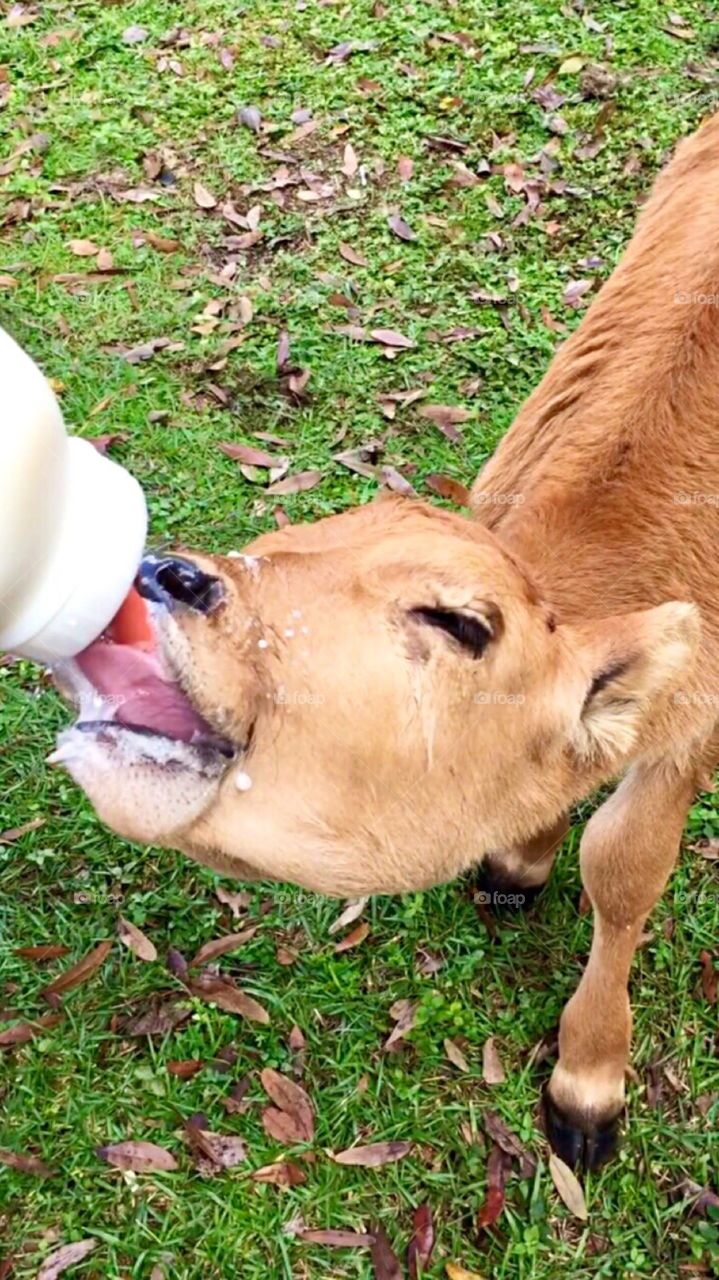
[372, 703]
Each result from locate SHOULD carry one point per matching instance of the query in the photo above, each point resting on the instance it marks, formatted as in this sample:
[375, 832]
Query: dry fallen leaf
[237, 902]
[140, 1157]
[455, 1055]
[283, 1174]
[225, 995]
[350, 163]
[395, 481]
[448, 488]
[25, 1163]
[391, 338]
[221, 946]
[374, 1155]
[45, 951]
[336, 1239]
[405, 168]
[15, 833]
[79, 972]
[204, 199]
[568, 1187]
[385, 1262]
[456, 1272]
[214, 1151]
[710, 977]
[83, 248]
[185, 1068]
[351, 255]
[404, 1013]
[250, 117]
[400, 227]
[575, 291]
[352, 912]
[492, 1207]
[163, 244]
[23, 1032]
[292, 1100]
[66, 1256]
[492, 1069]
[249, 454]
[298, 483]
[136, 940]
[353, 939]
[419, 1250]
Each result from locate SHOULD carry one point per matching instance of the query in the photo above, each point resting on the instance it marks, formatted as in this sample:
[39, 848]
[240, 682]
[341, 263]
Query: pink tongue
[129, 677]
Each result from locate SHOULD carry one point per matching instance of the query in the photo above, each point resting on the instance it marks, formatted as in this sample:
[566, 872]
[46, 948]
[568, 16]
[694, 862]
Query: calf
[385, 699]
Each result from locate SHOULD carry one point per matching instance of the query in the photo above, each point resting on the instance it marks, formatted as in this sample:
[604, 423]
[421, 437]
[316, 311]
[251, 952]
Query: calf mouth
[133, 708]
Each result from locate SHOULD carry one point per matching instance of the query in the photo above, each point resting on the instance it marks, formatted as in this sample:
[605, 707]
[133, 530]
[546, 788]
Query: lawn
[211, 175]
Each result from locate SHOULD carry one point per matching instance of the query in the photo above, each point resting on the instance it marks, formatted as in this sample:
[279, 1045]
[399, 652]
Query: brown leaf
[492, 1207]
[221, 946]
[140, 1157]
[104, 260]
[284, 1173]
[336, 1239]
[83, 248]
[456, 1272]
[163, 244]
[281, 1126]
[15, 833]
[299, 134]
[375, 1154]
[384, 1259]
[25, 1163]
[455, 1055]
[420, 1247]
[351, 255]
[214, 1151]
[225, 995]
[492, 1069]
[46, 951]
[136, 940]
[66, 1256]
[350, 163]
[159, 1019]
[185, 1068]
[404, 1012]
[503, 1136]
[405, 168]
[23, 1032]
[575, 291]
[400, 227]
[251, 118]
[79, 972]
[353, 939]
[568, 1187]
[352, 912]
[248, 454]
[709, 977]
[237, 902]
[298, 483]
[395, 481]
[283, 350]
[448, 488]
[103, 443]
[292, 1100]
[391, 338]
[204, 199]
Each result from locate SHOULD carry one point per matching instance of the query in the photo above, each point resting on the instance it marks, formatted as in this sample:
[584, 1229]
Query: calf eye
[469, 630]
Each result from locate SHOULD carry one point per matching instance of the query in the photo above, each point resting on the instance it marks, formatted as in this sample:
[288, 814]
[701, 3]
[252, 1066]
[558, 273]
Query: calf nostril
[170, 580]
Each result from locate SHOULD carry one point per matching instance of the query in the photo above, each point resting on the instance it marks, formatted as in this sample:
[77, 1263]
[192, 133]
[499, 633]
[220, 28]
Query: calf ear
[635, 661]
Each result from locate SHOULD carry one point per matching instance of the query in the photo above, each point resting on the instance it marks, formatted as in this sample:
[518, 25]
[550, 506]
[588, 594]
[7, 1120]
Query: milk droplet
[289, 632]
[243, 781]
[262, 644]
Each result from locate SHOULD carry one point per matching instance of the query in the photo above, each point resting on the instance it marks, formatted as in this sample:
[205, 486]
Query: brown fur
[383, 756]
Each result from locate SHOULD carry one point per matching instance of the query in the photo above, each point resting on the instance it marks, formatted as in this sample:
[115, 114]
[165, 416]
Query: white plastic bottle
[72, 522]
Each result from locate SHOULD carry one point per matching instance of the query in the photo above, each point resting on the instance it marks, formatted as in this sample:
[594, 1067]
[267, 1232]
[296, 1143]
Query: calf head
[378, 699]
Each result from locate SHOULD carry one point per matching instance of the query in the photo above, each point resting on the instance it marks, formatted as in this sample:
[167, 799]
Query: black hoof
[580, 1144]
[492, 888]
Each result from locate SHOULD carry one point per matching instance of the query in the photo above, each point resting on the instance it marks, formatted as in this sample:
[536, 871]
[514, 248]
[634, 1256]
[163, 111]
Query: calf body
[615, 460]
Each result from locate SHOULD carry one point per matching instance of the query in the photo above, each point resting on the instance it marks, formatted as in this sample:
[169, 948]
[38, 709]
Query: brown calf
[394, 694]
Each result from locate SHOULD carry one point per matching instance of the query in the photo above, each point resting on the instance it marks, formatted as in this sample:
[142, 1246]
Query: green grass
[104, 104]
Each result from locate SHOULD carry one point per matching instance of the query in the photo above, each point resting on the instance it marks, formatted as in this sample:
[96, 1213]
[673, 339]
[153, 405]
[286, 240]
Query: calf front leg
[627, 853]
